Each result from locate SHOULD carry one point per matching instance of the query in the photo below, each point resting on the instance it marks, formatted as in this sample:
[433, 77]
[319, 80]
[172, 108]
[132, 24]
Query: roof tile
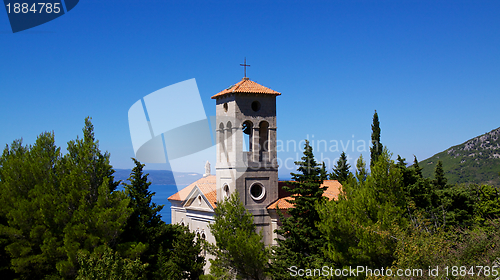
[207, 186]
[332, 192]
[246, 86]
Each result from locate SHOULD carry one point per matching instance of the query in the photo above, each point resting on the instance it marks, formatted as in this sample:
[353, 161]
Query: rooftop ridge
[246, 86]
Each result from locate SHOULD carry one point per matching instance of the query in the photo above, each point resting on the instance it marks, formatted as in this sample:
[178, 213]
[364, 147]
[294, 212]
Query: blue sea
[162, 193]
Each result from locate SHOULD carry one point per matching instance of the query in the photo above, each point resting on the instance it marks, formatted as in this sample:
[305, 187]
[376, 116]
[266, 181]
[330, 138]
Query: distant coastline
[161, 177]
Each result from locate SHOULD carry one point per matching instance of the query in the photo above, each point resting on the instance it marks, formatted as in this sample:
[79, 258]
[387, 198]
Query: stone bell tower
[246, 148]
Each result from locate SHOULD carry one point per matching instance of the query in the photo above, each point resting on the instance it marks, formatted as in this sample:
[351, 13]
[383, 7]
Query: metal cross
[245, 65]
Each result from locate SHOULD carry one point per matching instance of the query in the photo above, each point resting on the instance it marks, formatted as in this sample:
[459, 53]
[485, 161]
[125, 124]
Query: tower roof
[246, 86]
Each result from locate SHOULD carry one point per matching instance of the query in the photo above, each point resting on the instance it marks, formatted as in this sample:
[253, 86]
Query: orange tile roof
[209, 191]
[282, 203]
[333, 189]
[246, 86]
[332, 192]
[207, 186]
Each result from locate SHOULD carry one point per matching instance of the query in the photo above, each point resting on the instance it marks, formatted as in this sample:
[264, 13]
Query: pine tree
[185, 260]
[440, 180]
[409, 174]
[361, 172]
[145, 216]
[418, 169]
[144, 228]
[323, 173]
[57, 205]
[359, 226]
[302, 241]
[377, 147]
[239, 251]
[341, 171]
[172, 251]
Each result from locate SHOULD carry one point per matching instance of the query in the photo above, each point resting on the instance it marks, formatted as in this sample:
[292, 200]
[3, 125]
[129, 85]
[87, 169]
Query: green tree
[361, 172]
[56, 205]
[145, 216]
[487, 205]
[105, 264]
[341, 171]
[171, 251]
[377, 148]
[440, 180]
[302, 242]
[323, 173]
[418, 169]
[239, 251]
[185, 259]
[360, 226]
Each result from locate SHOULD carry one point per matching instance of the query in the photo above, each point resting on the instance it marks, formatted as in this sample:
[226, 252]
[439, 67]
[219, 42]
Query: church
[246, 163]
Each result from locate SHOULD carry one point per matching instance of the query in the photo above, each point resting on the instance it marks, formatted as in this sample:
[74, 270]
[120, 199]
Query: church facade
[246, 162]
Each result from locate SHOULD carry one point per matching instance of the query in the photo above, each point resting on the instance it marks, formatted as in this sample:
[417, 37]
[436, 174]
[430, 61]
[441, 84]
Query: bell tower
[246, 148]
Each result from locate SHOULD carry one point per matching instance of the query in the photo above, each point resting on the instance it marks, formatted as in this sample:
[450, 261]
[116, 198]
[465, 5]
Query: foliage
[105, 264]
[56, 205]
[185, 259]
[60, 212]
[239, 251]
[302, 242]
[341, 171]
[171, 251]
[145, 216]
[440, 180]
[144, 226]
[420, 249]
[361, 172]
[416, 167]
[377, 148]
[360, 227]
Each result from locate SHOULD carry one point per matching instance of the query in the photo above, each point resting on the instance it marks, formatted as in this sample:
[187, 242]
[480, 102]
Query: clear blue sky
[431, 69]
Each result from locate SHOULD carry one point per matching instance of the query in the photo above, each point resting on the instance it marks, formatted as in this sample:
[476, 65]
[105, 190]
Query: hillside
[475, 161]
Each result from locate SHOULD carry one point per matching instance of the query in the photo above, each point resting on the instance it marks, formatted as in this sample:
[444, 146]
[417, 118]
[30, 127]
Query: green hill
[475, 161]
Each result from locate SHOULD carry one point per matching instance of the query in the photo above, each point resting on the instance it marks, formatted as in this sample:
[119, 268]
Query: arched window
[225, 191]
[228, 136]
[263, 140]
[247, 136]
[222, 148]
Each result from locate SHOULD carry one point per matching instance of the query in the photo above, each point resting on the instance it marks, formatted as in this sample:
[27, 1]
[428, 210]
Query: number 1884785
[34, 8]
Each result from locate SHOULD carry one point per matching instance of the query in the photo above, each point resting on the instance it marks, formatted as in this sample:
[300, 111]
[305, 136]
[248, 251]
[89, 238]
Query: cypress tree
[377, 148]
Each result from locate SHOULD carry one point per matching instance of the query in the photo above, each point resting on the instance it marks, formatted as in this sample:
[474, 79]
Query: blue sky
[431, 69]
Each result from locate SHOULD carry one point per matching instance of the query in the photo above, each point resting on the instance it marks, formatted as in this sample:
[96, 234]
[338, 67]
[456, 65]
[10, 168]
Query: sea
[162, 193]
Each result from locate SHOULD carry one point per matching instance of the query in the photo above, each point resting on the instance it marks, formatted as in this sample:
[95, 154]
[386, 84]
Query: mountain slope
[475, 161]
